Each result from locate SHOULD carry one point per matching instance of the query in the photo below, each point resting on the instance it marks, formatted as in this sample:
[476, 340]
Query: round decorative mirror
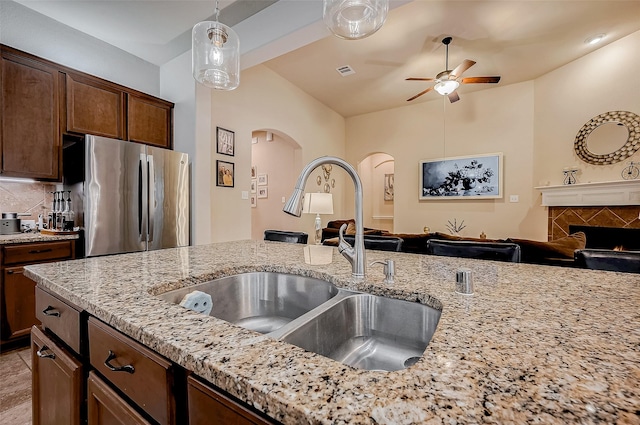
[608, 138]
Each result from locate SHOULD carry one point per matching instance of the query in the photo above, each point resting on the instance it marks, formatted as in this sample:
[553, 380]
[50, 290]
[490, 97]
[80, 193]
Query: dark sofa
[559, 252]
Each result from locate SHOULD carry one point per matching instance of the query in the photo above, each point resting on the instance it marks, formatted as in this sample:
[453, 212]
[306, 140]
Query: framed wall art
[225, 141]
[263, 192]
[262, 179]
[225, 173]
[463, 177]
[254, 201]
[388, 187]
[253, 185]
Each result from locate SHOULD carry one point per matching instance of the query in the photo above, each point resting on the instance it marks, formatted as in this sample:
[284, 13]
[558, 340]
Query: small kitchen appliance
[10, 223]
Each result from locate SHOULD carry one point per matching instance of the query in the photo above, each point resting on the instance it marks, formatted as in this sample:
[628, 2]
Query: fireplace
[599, 237]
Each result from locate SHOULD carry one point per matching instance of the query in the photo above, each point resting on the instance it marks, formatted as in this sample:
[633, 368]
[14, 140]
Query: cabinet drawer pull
[126, 368]
[40, 251]
[41, 353]
[51, 311]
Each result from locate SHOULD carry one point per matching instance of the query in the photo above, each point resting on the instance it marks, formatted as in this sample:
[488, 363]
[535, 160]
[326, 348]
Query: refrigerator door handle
[143, 193]
[152, 197]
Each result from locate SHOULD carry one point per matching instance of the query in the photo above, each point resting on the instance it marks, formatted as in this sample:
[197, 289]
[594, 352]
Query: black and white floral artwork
[478, 176]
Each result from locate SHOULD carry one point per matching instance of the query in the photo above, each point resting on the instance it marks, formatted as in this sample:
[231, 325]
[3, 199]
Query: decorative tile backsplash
[29, 197]
[616, 216]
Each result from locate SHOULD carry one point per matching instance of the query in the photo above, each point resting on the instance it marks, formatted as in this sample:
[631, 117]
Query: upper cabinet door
[150, 121]
[95, 106]
[30, 119]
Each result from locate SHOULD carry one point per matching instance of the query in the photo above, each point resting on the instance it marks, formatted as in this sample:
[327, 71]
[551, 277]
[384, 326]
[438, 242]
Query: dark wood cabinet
[40, 100]
[57, 382]
[20, 314]
[17, 292]
[94, 106]
[150, 120]
[106, 407]
[210, 406]
[30, 133]
[139, 373]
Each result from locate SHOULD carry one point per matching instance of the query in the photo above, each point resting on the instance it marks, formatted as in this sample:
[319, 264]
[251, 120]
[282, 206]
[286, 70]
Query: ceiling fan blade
[453, 97]
[419, 79]
[420, 94]
[466, 64]
[476, 80]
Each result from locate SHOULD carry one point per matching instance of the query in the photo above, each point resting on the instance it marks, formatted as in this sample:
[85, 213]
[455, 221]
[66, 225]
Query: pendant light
[354, 19]
[215, 54]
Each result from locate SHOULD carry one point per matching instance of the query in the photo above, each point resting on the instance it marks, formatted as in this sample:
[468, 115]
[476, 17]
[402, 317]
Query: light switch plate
[245, 194]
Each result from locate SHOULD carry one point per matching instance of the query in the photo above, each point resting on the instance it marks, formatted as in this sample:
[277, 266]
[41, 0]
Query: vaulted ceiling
[518, 40]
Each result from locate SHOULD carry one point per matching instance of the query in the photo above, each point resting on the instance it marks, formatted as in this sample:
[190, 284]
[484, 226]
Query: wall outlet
[284, 199]
[514, 198]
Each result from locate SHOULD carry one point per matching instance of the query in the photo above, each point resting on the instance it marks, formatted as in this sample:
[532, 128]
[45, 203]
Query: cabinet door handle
[126, 368]
[40, 251]
[51, 311]
[41, 353]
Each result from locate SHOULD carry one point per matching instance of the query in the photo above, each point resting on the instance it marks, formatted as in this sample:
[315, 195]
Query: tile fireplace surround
[603, 204]
[614, 216]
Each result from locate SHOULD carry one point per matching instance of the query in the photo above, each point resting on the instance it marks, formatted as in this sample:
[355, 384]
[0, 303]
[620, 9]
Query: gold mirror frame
[628, 119]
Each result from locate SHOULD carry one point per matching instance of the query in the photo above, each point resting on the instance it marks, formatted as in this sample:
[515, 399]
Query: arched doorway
[377, 174]
[276, 161]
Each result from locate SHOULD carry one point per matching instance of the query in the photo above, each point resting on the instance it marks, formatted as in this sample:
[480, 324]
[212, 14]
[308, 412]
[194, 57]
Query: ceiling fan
[448, 81]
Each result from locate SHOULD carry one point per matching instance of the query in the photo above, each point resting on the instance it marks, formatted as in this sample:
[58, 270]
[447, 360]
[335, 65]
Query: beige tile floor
[15, 387]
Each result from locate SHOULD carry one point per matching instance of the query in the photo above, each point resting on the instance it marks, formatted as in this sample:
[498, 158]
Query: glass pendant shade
[354, 19]
[215, 54]
[446, 87]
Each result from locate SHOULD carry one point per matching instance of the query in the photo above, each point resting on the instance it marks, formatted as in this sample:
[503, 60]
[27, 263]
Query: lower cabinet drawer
[105, 406]
[210, 406]
[60, 317]
[36, 252]
[139, 373]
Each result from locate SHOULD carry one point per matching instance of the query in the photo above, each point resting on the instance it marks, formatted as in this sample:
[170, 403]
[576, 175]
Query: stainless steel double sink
[358, 329]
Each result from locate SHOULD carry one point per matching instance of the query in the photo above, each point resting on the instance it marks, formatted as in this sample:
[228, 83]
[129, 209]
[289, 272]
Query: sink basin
[358, 329]
[260, 301]
[368, 332]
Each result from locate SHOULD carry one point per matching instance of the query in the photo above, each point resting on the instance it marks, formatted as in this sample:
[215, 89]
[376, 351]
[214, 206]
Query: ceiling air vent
[345, 70]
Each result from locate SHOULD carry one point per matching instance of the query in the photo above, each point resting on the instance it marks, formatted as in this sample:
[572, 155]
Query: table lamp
[318, 203]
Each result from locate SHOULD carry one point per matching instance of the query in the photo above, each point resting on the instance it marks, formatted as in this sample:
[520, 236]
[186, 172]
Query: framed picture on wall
[388, 187]
[225, 174]
[225, 141]
[263, 192]
[262, 179]
[463, 177]
[253, 200]
[253, 185]
[254, 171]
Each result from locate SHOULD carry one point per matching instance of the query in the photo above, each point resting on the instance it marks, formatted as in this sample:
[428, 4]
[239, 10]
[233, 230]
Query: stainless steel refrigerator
[127, 196]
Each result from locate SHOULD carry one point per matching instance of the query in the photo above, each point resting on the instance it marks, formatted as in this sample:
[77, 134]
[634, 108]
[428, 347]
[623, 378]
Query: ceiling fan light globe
[446, 87]
[354, 19]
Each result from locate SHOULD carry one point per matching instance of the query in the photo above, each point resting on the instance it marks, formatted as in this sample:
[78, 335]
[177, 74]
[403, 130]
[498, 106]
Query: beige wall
[280, 160]
[264, 100]
[378, 213]
[605, 80]
[488, 121]
[532, 123]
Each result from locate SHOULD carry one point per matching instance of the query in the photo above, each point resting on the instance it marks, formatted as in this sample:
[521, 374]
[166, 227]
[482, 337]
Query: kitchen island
[533, 344]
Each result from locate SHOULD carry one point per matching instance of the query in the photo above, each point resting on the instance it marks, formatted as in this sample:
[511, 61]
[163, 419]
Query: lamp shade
[354, 19]
[318, 203]
[215, 53]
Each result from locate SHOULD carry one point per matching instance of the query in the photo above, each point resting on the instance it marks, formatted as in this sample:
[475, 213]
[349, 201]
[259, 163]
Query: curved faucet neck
[294, 207]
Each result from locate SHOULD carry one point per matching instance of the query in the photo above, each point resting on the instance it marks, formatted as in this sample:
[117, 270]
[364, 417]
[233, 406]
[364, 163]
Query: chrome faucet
[354, 254]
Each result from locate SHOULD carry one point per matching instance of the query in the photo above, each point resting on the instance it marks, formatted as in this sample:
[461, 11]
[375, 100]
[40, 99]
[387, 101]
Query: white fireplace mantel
[623, 192]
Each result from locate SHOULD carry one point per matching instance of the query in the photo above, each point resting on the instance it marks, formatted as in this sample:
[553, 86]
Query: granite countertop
[533, 344]
[30, 237]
